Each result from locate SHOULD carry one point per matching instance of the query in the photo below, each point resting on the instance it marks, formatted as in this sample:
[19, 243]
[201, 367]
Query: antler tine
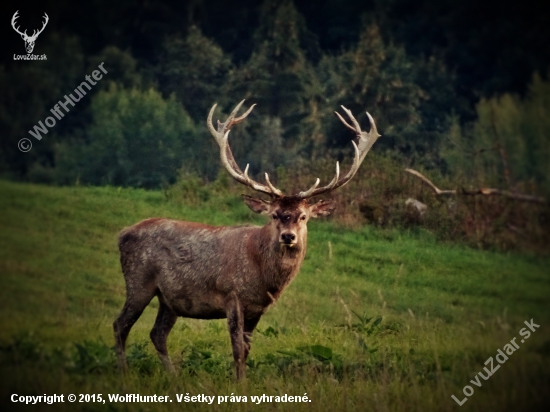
[13, 22]
[372, 125]
[361, 148]
[312, 190]
[246, 171]
[228, 161]
[241, 118]
[336, 176]
[344, 121]
[356, 162]
[308, 192]
[43, 26]
[273, 189]
[229, 121]
[356, 125]
[210, 125]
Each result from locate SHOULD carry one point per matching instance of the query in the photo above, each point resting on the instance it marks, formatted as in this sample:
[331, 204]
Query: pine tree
[195, 69]
[377, 78]
[509, 145]
[279, 78]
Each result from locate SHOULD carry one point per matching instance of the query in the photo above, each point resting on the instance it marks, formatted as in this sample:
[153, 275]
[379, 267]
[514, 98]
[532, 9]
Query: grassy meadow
[378, 319]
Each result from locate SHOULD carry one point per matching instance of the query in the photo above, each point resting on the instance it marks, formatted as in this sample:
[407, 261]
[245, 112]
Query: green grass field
[376, 320]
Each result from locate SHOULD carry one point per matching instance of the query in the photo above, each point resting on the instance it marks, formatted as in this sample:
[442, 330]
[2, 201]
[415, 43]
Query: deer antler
[13, 21]
[221, 135]
[35, 32]
[365, 142]
[35, 35]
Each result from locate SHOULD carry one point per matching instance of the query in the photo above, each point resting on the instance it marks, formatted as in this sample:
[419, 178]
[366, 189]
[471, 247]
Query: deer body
[195, 269]
[206, 272]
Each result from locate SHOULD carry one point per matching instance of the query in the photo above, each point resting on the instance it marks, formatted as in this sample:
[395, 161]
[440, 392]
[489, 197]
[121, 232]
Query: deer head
[290, 214]
[29, 40]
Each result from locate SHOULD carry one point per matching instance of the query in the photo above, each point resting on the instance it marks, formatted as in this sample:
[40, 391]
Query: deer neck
[278, 264]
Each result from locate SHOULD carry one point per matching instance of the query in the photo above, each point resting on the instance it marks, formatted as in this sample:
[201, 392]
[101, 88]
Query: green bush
[137, 138]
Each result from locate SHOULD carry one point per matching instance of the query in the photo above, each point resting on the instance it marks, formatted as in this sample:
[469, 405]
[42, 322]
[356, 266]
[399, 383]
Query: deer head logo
[29, 40]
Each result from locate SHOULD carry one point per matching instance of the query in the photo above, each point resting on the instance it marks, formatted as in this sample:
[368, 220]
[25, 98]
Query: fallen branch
[482, 191]
[429, 183]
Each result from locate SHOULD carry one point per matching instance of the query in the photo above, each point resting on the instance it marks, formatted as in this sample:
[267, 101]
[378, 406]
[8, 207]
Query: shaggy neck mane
[279, 264]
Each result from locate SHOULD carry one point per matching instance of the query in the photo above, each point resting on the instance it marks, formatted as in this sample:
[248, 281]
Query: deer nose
[288, 238]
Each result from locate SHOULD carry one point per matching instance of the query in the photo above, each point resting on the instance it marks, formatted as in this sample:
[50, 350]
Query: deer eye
[274, 217]
[303, 217]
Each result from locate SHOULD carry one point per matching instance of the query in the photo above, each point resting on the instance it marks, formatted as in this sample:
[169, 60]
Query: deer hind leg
[235, 322]
[132, 310]
[159, 334]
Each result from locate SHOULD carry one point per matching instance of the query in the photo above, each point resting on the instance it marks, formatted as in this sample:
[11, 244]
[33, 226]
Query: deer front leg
[235, 322]
[249, 326]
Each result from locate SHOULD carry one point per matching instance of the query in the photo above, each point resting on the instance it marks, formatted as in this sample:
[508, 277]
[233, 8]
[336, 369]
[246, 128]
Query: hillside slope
[380, 320]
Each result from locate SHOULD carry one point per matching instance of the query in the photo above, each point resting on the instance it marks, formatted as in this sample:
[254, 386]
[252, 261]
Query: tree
[136, 139]
[27, 93]
[509, 144]
[379, 78]
[279, 78]
[195, 69]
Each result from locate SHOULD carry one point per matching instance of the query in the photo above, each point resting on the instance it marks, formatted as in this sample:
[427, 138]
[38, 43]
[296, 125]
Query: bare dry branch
[429, 183]
[482, 191]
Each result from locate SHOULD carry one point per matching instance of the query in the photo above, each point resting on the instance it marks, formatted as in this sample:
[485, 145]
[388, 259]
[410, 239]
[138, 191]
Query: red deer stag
[236, 272]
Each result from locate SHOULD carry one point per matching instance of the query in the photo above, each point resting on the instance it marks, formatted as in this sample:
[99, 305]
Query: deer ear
[257, 205]
[322, 208]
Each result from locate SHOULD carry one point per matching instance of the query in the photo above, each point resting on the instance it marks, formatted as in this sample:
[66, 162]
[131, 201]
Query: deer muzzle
[288, 239]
